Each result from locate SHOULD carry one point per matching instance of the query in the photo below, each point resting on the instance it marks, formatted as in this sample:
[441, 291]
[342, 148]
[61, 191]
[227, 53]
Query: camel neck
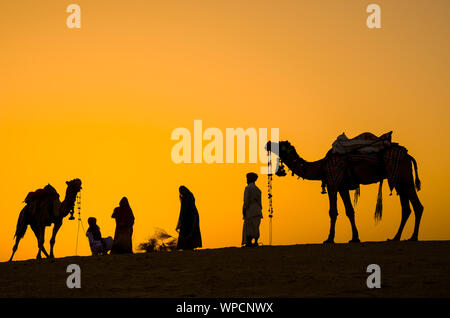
[312, 170]
[69, 202]
[305, 169]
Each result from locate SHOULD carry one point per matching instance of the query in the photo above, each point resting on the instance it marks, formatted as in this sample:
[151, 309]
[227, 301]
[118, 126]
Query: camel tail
[379, 207]
[22, 225]
[417, 181]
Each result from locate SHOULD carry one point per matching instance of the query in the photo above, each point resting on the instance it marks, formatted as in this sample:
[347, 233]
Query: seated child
[98, 244]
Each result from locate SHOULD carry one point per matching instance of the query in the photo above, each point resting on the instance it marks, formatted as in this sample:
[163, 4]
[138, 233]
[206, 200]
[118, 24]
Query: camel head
[283, 149]
[287, 154]
[73, 187]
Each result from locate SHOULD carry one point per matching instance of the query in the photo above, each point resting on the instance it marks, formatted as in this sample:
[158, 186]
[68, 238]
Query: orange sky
[100, 104]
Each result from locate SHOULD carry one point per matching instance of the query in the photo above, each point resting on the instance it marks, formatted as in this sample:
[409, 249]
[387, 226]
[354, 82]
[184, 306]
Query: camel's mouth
[273, 147]
[280, 171]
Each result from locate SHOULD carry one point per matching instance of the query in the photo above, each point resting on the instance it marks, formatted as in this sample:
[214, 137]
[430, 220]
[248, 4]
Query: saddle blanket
[364, 143]
[337, 165]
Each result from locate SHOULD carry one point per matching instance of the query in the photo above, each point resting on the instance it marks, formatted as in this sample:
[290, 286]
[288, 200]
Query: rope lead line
[269, 191]
[79, 221]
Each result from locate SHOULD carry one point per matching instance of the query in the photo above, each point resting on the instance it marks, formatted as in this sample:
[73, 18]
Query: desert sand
[408, 269]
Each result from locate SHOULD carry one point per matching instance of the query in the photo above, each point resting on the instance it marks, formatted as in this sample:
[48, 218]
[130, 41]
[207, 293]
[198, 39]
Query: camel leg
[53, 239]
[15, 248]
[42, 242]
[418, 210]
[332, 196]
[40, 235]
[36, 233]
[406, 211]
[350, 212]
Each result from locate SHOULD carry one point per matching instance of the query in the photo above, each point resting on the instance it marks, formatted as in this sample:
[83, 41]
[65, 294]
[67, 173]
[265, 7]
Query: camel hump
[48, 192]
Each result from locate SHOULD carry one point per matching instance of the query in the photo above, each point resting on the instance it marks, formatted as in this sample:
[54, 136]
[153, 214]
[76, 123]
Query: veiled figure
[124, 228]
[188, 225]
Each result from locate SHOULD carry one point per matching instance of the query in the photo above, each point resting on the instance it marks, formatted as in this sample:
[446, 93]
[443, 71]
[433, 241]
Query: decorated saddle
[377, 151]
[364, 143]
[47, 192]
[44, 204]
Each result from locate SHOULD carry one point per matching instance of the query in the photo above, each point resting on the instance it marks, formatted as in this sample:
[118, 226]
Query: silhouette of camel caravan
[42, 209]
[365, 159]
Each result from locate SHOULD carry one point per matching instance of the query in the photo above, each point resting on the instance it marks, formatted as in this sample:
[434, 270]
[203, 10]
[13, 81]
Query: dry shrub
[161, 241]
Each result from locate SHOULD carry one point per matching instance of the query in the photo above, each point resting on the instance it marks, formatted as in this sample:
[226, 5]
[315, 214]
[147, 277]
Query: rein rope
[78, 202]
[269, 193]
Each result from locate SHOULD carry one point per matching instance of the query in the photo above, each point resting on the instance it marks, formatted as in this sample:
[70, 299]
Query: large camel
[43, 208]
[362, 172]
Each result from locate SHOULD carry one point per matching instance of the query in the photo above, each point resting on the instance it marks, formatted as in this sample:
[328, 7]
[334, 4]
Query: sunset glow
[100, 103]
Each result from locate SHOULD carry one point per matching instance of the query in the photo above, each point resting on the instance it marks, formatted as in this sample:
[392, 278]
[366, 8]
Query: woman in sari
[188, 222]
[124, 228]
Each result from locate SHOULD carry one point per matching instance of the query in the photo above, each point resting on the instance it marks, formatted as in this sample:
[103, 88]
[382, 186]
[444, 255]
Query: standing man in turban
[252, 211]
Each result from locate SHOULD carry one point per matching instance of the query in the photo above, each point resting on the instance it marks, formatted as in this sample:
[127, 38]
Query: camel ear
[67, 182]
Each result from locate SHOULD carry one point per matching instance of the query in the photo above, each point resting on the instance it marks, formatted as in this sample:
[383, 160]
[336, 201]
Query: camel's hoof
[328, 241]
[354, 241]
[413, 239]
[393, 240]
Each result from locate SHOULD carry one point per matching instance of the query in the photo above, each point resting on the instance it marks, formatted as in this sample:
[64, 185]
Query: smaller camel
[43, 208]
[362, 172]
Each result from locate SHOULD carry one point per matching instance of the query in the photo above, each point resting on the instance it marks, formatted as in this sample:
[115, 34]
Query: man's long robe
[252, 211]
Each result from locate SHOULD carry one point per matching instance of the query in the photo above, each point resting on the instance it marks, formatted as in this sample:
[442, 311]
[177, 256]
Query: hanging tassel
[324, 185]
[379, 207]
[357, 195]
